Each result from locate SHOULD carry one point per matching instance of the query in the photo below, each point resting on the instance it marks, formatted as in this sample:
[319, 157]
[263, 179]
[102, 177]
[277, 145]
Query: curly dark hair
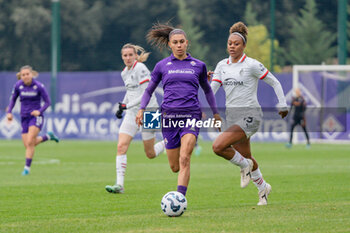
[241, 28]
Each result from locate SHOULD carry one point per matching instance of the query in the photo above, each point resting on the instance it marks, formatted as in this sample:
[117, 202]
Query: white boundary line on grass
[43, 162]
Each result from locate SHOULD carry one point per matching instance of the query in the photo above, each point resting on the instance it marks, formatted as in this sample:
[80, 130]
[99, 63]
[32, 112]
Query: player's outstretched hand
[122, 106]
[35, 113]
[9, 116]
[210, 75]
[139, 117]
[119, 113]
[218, 118]
[283, 114]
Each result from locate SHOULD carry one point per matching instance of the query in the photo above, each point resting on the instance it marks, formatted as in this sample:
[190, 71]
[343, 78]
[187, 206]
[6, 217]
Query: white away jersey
[240, 80]
[136, 80]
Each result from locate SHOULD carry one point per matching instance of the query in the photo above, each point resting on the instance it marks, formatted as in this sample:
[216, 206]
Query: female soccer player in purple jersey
[239, 76]
[30, 93]
[181, 76]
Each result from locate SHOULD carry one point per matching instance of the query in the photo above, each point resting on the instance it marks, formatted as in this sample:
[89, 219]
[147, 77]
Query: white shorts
[130, 127]
[249, 121]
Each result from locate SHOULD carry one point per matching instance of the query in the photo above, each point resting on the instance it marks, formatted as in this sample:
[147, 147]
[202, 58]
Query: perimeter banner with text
[87, 102]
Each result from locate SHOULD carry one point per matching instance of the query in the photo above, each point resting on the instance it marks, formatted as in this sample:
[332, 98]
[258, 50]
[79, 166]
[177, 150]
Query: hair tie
[240, 35]
[177, 31]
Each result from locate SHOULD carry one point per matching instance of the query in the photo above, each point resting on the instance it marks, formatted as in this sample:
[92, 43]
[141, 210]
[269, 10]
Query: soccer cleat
[289, 145]
[263, 194]
[25, 172]
[246, 174]
[115, 188]
[53, 137]
[197, 150]
[308, 146]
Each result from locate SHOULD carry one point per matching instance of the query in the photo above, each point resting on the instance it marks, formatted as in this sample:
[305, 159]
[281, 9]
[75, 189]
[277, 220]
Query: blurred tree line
[93, 31]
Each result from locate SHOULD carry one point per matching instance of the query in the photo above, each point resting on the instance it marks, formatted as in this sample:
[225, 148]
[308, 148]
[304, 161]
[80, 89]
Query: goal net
[326, 89]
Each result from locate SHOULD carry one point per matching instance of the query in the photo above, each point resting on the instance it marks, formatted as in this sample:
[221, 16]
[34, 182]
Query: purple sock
[45, 138]
[28, 162]
[182, 189]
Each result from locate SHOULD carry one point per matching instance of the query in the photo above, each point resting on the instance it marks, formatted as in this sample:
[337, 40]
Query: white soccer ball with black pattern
[174, 204]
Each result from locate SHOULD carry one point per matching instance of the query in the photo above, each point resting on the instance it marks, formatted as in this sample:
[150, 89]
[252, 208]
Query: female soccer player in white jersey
[136, 77]
[239, 76]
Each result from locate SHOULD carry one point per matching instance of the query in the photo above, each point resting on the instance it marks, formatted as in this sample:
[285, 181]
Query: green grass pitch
[65, 190]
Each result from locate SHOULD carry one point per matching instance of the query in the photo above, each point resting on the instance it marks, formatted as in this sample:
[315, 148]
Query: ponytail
[158, 35]
[142, 56]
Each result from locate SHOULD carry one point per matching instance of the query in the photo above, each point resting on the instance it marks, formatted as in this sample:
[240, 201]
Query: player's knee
[185, 161]
[174, 168]
[30, 142]
[150, 153]
[122, 148]
[217, 148]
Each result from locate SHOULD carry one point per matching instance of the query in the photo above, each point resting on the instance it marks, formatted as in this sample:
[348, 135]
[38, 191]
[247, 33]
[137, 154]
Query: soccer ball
[173, 204]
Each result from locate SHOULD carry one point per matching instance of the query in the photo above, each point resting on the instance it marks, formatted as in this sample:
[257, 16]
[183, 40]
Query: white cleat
[263, 194]
[246, 174]
[115, 188]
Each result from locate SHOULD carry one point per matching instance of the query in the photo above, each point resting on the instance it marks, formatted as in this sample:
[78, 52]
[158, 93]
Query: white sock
[159, 147]
[258, 180]
[239, 160]
[27, 168]
[121, 161]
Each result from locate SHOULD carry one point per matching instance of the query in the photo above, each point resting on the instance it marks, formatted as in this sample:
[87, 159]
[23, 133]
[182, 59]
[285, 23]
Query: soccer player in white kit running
[136, 77]
[239, 76]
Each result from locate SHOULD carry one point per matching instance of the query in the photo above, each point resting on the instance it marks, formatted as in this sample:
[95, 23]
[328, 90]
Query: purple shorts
[30, 121]
[173, 130]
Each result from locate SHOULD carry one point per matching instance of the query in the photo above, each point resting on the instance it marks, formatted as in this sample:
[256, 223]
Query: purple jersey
[181, 80]
[30, 97]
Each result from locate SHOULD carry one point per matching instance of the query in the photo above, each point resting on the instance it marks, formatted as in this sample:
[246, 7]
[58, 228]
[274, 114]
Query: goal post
[327, 92]
[300, 68]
